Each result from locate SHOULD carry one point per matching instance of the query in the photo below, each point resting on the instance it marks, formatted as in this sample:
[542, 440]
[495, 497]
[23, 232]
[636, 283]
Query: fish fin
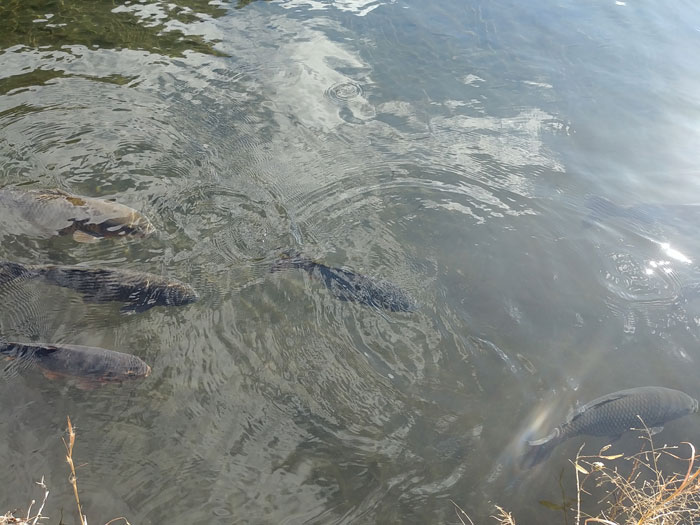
[131, 309]
[86, 385]
[50, 194]
[81, 236]
[74, 200]
[90, 298]
[549, 437]
[602, 401]
[9, 271]
[540, 449]
[289, 260]
[51, 375]
[655, 430]
[573, 411]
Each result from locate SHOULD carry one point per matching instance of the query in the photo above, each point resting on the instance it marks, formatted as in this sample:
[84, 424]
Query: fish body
[139, 291]
[87, 363]
[614, 414]
[11, 271]
[56, 212]
[347, 285]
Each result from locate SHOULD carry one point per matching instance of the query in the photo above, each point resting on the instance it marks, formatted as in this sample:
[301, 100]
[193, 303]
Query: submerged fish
[614, 414]
[350, 286]
[56, 212]
[139, 290]
[87, 363]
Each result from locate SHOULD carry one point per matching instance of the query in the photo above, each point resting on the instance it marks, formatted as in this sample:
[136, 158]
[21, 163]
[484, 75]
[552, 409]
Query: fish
[140, 291]
[347, 285]
[614, 414]
[49, 212]
[89, 364]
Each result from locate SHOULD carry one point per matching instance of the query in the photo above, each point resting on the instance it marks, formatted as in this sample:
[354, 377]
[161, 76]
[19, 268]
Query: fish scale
[91, 365]
[139, 291]
[347, 285]
[614, 414]
[56, 212]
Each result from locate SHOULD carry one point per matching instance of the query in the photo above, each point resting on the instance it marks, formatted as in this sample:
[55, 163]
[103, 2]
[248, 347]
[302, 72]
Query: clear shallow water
[449, 149]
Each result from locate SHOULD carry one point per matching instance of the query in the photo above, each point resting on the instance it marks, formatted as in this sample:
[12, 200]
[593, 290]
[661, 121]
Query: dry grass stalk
[73, 477]
[460, 512]
[503, 517]
[646, 496]
[29, 520]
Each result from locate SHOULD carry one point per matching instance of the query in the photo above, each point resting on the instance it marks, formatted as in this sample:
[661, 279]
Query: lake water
[449, 147]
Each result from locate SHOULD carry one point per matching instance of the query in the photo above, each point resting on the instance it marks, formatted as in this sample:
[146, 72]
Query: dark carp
[56, 212]
[347, 285]
[614, 414]
[91, 365]
[139, 290]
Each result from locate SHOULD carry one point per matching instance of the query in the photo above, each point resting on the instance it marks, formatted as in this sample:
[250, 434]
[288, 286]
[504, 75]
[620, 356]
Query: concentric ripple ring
[344, 91]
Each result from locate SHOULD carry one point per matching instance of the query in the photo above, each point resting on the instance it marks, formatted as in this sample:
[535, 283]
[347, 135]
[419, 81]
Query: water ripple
[344, 91]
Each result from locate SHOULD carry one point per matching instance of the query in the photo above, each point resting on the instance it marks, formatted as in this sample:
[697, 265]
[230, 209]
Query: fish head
[140, 225]
[134, 224]
[112, 219]
[400, 301]
[177, 293]
[134, 368]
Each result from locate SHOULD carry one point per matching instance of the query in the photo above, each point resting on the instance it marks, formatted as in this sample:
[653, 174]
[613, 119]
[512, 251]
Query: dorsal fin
[84, 237]
[594, 404]
[54, 192]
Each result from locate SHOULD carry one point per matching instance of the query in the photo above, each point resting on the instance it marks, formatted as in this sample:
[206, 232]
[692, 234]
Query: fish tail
[9, 349]
[290, 260]
[10, 271]
[539, 450]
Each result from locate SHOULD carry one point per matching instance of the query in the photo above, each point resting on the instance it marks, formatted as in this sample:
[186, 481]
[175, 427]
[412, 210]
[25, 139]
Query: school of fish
[55, 212]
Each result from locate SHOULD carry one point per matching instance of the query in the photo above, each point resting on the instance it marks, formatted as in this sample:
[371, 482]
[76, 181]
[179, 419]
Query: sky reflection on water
[450, 148]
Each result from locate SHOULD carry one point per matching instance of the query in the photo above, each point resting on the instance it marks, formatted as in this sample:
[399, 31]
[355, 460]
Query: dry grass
[503, 517]
[73, 479]
[635, 490]
[29, 520]
[646, 495]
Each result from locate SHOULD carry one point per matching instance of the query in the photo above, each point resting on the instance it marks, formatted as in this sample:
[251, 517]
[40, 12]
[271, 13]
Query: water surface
[448, 148]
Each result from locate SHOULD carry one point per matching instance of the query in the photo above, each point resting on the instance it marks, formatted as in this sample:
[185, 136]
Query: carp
[89, 364]
[347, 285]
[139, 290]
[56, 212]
[614, 414]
